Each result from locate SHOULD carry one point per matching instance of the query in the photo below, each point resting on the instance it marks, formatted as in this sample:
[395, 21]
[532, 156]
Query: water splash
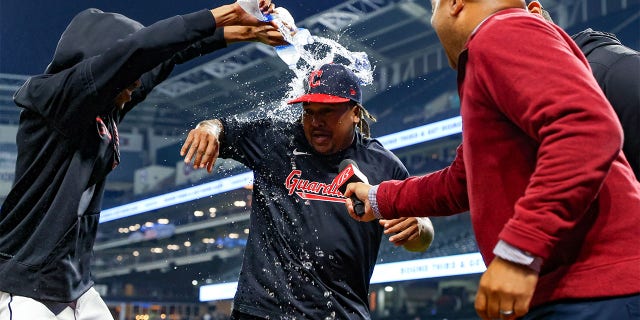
[304, 54]
[322, 51]
[313, 55]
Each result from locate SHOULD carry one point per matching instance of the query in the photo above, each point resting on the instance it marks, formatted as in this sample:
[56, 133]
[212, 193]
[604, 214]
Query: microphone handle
[358, 205]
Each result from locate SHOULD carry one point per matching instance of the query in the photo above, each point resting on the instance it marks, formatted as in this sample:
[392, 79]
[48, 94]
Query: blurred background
[171, 239]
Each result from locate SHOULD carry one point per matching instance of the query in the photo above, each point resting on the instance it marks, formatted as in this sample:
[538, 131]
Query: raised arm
[203, 144]
[266, 34]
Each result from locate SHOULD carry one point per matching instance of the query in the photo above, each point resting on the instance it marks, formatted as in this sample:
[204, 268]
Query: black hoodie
[67, 142]
[617, 70]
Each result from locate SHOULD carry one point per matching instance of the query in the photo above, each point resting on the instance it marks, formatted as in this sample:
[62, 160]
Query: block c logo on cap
[314, 78]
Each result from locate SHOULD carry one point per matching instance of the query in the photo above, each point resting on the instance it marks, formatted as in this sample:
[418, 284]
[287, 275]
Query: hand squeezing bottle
[296, 37]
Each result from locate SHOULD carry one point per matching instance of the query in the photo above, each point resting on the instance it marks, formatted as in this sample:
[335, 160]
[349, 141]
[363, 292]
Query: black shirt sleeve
[75, 96]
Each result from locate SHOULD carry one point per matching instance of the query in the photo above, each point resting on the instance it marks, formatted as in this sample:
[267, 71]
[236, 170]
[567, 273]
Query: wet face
[329, 128]
[125, 95]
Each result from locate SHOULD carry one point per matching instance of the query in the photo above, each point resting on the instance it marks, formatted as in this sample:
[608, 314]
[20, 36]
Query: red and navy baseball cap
[332, 83]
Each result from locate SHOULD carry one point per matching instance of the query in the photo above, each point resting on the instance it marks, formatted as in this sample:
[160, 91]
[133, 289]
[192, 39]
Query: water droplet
[331, 317]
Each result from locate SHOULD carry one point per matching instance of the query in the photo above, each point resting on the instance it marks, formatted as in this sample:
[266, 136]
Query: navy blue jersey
[305, 256]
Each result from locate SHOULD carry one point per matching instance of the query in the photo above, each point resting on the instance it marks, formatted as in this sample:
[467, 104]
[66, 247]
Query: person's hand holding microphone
[354, 185]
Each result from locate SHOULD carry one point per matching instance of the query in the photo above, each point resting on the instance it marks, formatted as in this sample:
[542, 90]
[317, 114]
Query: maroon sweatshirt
[542, 167]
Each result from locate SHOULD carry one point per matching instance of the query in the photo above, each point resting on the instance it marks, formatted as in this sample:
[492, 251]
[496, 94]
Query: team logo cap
[332, 83]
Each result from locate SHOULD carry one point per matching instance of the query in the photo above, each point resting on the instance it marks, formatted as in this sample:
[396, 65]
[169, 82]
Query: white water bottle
[252, 7]
[290, 53]
[286, 25]
[296, 37]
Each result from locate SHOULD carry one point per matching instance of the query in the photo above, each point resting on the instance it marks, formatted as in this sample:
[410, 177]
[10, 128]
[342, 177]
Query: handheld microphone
[349, 172]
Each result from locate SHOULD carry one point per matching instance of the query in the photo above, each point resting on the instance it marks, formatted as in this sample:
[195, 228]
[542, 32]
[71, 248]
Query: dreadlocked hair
[365, 117]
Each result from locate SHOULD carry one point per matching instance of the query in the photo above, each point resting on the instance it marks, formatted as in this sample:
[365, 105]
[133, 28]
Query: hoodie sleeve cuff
[510, 253]
[373, 202]
[200, 22]
[214, 42]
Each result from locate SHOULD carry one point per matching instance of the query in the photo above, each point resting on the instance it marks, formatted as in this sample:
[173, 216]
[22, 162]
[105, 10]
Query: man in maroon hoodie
[554, 204]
